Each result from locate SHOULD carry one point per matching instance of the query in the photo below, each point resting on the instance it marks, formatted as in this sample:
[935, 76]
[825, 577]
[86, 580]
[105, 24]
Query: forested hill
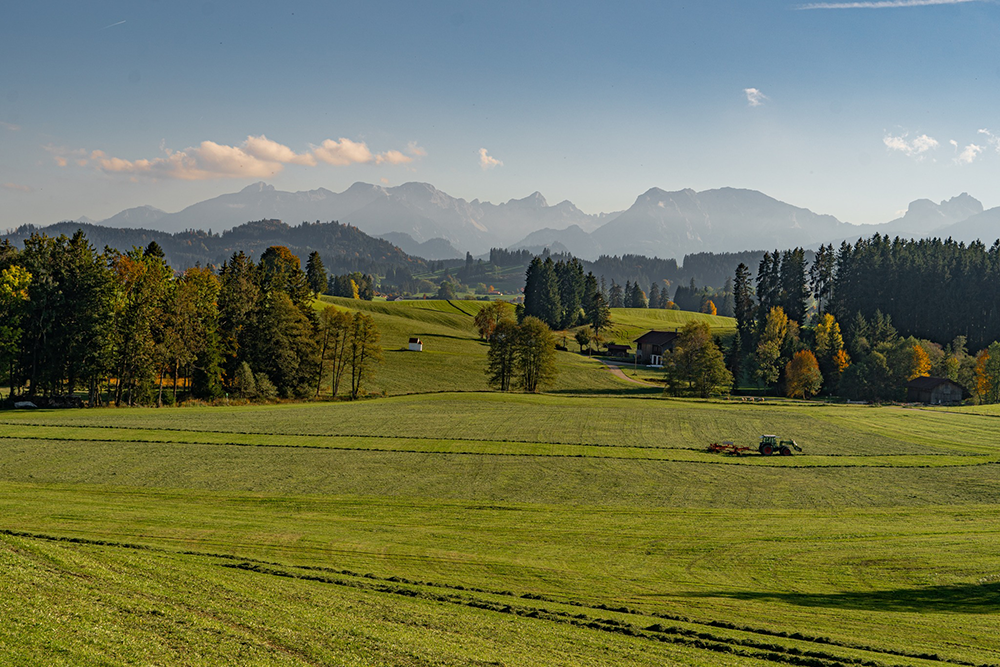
[344, 248]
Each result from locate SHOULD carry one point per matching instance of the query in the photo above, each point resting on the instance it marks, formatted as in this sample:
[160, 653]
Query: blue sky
[853, 111]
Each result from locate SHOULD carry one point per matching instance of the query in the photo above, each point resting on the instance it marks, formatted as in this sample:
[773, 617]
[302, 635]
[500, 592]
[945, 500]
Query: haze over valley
[427, 222]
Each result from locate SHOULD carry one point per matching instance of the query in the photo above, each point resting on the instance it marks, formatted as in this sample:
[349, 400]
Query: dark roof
[656, 338]
[616, 346]
[925, 383]
[414, 340]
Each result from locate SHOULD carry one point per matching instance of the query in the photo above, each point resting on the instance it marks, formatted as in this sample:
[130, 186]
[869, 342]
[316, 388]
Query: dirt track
[616, 370]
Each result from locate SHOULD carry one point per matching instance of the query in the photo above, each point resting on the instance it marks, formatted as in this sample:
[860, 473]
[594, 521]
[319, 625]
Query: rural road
[618, 372]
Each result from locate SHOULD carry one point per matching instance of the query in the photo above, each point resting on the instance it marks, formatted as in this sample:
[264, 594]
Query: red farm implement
[728, 447]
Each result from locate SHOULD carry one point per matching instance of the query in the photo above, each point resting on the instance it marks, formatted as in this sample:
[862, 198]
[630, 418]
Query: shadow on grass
[964, 599]
[437, 335]
[638, 390]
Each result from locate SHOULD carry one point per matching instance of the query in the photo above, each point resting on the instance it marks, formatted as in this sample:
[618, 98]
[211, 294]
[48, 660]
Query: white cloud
[263, 148]
[754, 97]
[882, 4]
[9, 126]
[992, 139]
[15, 187]
[393, 157]
[343, 152]
[487, 161]
[915, 148]
[968, 154]
[207, 161]
[256, 157]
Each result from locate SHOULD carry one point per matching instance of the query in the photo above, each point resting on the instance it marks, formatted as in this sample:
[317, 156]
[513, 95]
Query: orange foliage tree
[802, 376]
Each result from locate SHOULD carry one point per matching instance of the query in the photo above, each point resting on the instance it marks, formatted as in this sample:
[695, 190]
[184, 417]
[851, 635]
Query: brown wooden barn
[934, 391]
[616, 350]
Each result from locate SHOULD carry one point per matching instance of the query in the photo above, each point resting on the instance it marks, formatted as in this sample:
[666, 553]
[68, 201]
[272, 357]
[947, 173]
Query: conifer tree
[316, 273]
[654, 296]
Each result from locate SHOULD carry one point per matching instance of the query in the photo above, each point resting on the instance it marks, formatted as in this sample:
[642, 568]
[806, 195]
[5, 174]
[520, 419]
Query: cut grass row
[822, 430]
[17, 440]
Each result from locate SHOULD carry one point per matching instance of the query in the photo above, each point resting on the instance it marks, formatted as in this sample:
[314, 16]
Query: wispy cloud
[10, 126]
[968, 154]
[487, 161]
[416, 151]
[112, 25]
[15, 187]
[754, 97]
[992, 139]
[63, 154]
[256, 157]
[882, 4]
[914, 148]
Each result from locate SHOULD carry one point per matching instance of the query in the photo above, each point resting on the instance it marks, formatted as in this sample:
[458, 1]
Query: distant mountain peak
[534, 200]
[360, 186]
[259, 186]
[416, 186]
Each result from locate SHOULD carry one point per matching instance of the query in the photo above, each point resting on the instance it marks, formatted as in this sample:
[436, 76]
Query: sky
[847, 108]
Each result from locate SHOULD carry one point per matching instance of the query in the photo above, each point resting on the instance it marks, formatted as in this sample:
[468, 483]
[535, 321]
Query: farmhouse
[616, 350]
[650, 346]
[416, 345]
[935, 391]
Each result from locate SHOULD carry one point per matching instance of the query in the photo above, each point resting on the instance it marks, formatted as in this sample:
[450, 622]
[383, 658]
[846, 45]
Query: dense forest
[863, 320]
[126, 329]
[344, 248]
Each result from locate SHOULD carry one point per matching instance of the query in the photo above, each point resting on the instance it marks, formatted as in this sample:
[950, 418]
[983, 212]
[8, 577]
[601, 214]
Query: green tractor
[769, 444]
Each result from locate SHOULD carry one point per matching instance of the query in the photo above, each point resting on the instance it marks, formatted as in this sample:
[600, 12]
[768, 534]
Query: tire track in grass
[520, 606]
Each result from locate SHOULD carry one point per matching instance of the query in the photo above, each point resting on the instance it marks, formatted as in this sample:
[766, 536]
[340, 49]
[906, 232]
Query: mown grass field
[586, 526]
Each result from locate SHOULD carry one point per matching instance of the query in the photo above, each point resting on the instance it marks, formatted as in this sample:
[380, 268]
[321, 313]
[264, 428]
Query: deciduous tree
[363, 351]
[536, 355]
[697, 362]
[770, 346]
[802, 376]
[490, 316]
[502, 355]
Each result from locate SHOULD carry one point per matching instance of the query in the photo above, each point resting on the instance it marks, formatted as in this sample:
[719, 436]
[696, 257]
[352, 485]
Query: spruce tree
[316, 273]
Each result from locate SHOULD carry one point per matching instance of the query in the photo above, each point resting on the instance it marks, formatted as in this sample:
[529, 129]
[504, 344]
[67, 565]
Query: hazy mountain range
[426, 222]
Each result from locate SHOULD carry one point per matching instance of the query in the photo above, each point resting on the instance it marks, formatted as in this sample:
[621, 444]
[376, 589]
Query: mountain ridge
[660, 223]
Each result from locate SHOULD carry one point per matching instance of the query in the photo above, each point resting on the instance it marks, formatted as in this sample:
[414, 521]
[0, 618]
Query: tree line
[124, 329]
[863, 320]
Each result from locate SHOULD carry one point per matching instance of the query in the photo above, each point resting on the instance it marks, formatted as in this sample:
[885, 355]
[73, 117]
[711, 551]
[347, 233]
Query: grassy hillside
[630, 323]
[454, 358]
[478, 528]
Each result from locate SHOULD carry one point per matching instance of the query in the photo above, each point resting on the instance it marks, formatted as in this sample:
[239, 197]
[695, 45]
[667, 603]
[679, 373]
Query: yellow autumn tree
[920, 364]
[841, 360]
[802, 376]
[709, 307]
[828, 338]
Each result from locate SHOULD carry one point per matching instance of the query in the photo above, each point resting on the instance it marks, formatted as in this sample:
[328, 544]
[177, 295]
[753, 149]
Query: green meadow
[443, 524]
